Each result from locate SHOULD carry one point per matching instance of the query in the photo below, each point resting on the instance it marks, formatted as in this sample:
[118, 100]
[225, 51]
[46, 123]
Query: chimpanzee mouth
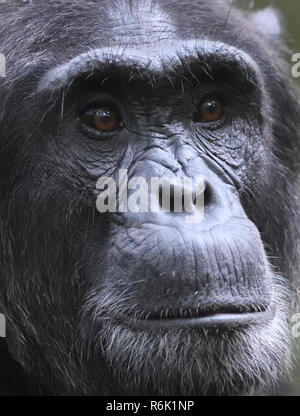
[229, 316]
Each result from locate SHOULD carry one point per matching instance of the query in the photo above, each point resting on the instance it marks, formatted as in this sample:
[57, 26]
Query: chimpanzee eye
[210, 110]
[105, 118]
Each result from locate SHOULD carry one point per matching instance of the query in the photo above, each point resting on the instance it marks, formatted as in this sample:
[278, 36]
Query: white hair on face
[143, 17]
[251, 360]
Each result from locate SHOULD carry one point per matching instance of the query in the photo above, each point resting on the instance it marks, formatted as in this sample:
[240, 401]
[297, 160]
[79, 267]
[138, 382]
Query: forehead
[145, 35]
[141, 34]
[140, 23]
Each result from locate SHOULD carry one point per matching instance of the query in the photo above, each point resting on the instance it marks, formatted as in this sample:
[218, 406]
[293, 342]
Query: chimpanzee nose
[185, 196]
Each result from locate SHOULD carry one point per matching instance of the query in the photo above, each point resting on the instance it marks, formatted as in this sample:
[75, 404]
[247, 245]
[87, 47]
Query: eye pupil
[105, 119]
[210, 110]
[211, 107]
[105, 115]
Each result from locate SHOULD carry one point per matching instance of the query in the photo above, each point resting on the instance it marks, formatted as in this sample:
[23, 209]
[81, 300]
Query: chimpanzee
[146, 303]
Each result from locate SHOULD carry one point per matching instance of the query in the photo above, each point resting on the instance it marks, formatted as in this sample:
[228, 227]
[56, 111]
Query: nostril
[171, 199]
[207, 194]
[160, 196]
[177, 198]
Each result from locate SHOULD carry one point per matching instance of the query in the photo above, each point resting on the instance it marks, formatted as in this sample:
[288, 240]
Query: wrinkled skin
[90, 297]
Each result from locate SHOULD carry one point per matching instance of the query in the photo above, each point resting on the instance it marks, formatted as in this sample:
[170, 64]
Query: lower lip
[226, 320]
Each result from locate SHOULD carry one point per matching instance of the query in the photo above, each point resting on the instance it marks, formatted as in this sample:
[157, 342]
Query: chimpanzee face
[147, 209]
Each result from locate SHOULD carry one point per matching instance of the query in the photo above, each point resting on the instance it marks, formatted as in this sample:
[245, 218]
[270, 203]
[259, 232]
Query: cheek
[238, 149]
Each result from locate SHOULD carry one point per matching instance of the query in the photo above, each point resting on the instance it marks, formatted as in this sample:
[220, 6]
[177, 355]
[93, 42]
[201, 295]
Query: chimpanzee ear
[267, 21]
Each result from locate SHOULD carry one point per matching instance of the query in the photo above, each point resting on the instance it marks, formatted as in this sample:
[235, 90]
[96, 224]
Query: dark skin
[147, 302]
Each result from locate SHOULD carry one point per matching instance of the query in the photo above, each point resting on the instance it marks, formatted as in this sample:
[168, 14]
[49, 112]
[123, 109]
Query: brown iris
[210, 111]
[105, 118]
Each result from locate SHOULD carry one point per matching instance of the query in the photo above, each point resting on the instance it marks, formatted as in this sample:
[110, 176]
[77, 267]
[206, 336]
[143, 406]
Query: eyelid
[95, 98]
[96, 105]
[205, 91]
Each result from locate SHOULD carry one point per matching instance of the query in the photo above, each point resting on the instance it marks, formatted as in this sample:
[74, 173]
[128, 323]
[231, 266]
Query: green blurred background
[290, 10]
[291, 13]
